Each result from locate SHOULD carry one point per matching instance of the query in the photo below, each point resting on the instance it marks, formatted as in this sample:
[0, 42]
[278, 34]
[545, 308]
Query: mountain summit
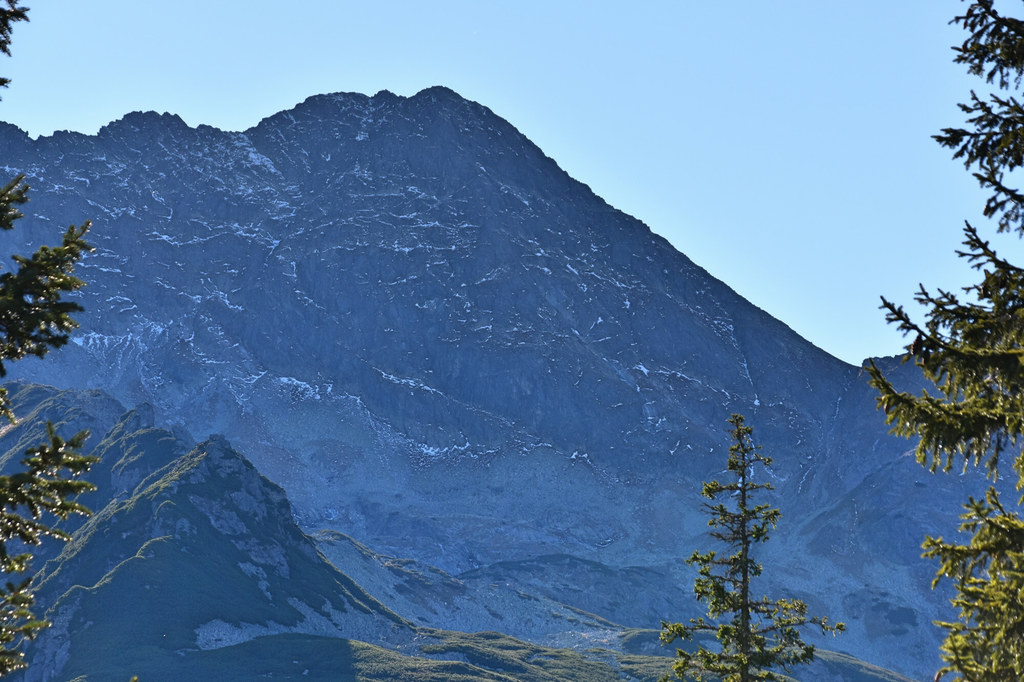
[440, 344]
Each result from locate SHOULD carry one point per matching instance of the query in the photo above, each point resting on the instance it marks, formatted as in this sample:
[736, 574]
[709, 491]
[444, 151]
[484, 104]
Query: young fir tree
[33, 320]
[971, 348]
[757, 635]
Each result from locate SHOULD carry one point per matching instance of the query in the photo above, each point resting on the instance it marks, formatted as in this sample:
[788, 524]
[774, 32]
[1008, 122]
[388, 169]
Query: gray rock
[440, 344]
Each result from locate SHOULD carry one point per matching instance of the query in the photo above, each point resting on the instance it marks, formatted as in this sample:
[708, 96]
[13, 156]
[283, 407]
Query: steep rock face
[440, 344]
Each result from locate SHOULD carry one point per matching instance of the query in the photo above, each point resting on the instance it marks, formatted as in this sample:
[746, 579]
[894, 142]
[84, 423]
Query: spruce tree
[757, 636]
[34, 318]
[971, 348]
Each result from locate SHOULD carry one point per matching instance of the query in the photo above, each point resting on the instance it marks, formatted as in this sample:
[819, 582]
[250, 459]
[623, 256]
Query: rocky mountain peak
[438, 343]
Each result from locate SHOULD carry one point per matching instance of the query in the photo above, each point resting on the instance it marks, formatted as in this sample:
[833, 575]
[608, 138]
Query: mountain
[442, 347]
[192, 567]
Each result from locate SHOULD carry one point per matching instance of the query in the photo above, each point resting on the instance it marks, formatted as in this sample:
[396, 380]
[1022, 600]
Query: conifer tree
[971, 347]
[34, 318]
[757, 636]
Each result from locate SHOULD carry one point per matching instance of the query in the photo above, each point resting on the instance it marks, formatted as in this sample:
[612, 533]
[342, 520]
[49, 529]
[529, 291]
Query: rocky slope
[192, 568]
[441, 345]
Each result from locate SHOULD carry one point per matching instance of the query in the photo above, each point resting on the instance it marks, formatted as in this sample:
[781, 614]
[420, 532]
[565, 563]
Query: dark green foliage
[992, 144]
[33, 320]
[986, 643]
[8, 16]
[971, 351]
[756, 636]
[47, 484]
[33, 317]
[970, 347]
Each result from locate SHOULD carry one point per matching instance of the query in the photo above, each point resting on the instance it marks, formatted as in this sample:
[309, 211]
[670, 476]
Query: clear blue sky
[783, 145]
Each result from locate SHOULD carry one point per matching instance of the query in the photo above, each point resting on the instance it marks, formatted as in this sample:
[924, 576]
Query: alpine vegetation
[971, 348]
[34, 318]
[757, 635]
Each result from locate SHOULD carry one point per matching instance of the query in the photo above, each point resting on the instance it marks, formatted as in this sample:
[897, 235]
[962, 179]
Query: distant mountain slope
[188, 550]
[196, 571]
[440, 344]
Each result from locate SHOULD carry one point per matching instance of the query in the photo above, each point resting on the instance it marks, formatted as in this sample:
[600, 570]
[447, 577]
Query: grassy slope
[830, 665]
[451, 656]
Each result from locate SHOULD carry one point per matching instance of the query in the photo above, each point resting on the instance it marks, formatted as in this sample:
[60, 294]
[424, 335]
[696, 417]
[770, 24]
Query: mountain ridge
[439, 343]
